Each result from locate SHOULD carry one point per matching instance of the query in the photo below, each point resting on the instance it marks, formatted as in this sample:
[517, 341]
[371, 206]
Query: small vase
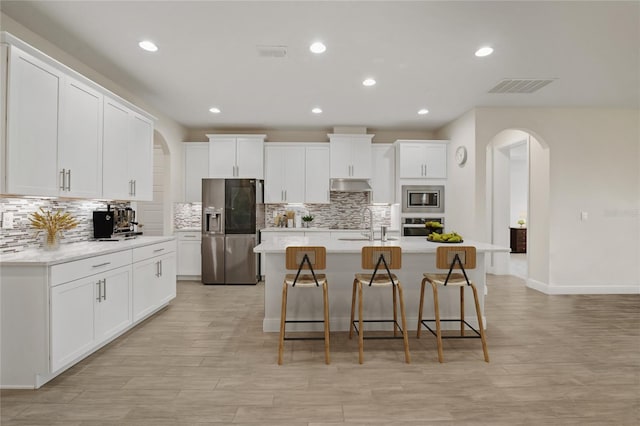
[52, 241]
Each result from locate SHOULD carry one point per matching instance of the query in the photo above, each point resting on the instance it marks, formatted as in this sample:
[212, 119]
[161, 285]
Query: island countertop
[408, 244]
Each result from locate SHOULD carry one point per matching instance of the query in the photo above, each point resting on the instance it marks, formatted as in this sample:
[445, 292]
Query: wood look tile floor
[555, 360]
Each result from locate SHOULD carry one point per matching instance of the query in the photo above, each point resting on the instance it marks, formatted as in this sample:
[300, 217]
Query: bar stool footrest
[355, 326]
[304, 322]
[476, 336]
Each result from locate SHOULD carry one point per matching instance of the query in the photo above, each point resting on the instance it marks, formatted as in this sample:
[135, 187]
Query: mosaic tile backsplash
[23, 236]
[187, 215]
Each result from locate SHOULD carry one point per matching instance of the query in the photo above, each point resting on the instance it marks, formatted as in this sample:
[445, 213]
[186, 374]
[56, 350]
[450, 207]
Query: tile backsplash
[187, 215]
[22, 236]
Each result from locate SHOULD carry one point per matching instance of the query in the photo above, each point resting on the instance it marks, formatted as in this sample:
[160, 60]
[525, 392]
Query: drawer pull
[189, 236]
[158, 250]
[101, 264]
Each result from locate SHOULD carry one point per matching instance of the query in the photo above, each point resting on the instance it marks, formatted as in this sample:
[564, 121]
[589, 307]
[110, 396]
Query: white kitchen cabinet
[350, 156]
[33, 96]
[422, 159]
[236, 156]
[87, 312]
[317, 174]
[196, 167]
[383, 176]
[154, 278]
[189, 254]
[284, 178]
[80, 144]
[127, 172]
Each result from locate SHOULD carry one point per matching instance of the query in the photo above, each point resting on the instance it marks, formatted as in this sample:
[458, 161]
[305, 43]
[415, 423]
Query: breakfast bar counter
[343, 261]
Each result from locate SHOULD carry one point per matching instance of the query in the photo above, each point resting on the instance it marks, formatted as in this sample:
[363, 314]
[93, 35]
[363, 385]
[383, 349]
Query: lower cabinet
[154, 280]
[189, 254]
[87, 312]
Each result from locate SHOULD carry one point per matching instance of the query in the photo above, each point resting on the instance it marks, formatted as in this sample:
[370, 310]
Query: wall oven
[414, 226]
[422, 198]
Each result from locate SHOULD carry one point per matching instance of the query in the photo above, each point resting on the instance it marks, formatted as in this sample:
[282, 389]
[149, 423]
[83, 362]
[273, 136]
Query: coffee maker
[115, 223]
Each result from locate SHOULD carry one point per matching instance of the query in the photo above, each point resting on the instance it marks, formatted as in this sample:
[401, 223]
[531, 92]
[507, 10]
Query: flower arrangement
[52, 224]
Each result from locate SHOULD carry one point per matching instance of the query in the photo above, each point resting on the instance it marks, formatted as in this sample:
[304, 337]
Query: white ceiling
[421, 53]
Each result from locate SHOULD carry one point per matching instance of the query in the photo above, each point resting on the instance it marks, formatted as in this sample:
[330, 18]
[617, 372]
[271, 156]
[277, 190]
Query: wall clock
[461, 155]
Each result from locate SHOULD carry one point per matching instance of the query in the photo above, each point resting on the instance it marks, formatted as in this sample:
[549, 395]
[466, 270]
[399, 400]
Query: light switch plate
[7, 220]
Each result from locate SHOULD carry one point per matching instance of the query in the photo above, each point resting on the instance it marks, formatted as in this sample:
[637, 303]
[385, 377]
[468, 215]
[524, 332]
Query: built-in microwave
[423, 199]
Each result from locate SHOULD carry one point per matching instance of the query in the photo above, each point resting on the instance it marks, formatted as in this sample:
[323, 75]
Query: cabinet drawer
[189, 236]
[70, 271]
[153, 250]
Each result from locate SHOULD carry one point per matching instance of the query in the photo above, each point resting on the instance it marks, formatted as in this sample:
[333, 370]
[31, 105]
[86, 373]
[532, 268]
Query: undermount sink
[364, 239]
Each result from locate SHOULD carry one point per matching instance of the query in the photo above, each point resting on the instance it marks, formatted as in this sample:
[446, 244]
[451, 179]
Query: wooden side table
[518, 240]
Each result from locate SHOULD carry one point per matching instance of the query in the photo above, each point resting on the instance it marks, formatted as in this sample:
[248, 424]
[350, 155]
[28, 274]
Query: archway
[500, 178]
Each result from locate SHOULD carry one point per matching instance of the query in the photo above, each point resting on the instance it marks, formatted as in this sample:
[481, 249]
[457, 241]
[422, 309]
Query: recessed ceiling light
[423, 111]
[149, 46]
[214, 110]
[484, 51]
[317, 47]
[369, 82]
[317, 110]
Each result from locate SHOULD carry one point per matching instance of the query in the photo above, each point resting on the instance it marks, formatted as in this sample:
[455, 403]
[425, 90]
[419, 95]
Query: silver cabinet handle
[104, 287]
[158, 269]
[62, 179]
[158, 250]
[285, 195]
[98, 284]
[101, 264]
[69, 180]
[135, 189]
[189, 236]
[160, 262]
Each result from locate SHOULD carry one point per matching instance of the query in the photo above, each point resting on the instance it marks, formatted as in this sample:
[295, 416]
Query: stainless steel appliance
[422, 198]
[114, 224]
[231, 212]
[414, 226]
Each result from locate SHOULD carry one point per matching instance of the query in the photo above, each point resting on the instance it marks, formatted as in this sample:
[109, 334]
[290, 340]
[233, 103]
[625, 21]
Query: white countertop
[192, 229]
[408, 244]
[319, 229]
[75, 251]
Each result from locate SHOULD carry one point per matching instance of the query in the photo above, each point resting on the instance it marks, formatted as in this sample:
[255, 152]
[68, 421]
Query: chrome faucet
[370, 221]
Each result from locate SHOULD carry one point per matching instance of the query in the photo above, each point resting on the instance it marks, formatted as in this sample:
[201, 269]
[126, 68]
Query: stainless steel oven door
[414, 231]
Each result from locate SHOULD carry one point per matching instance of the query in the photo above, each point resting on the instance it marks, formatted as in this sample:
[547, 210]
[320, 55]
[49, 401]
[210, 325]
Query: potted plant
[307, 221]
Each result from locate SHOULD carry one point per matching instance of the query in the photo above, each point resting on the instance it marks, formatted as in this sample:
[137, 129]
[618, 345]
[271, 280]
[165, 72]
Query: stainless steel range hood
[350, 185]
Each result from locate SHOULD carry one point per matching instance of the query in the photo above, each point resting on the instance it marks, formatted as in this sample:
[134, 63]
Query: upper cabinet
[284, 173]
[422, 159]
[350, 156]
[383, 176]
[127, 153]
[236, 156]
[196, 167]
[317, 160]
[57, 122]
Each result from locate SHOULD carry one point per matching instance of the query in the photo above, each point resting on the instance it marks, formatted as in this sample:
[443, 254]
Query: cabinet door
[411, 161]
[222, 157]
[116, 182]
[140, 166]
[145, 281]
[250, 158]
[294, 171]
[340, 158]
[436, 160]
[383, 176]
[317, 174]
[274, 174]
[166, 290]
[72, 320]
[360, 157]
[80, 146]
[189, 256]
[113, 311]
[33, 93]
[196, 167]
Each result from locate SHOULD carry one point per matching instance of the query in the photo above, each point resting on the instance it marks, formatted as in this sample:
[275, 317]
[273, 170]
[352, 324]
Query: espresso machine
[114, 224]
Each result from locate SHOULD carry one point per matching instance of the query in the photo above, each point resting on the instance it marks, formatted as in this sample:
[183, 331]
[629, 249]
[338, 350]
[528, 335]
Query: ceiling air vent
[520, 85]
[272, 51]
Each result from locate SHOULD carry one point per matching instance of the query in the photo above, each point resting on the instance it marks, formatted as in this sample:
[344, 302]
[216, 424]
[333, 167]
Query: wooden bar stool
[459, 257]
[312, 259]
[381, 259]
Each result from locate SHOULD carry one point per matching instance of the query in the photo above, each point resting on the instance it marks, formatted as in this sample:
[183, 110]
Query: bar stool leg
[424, 281]
[395, 312]
[436, 310]
[353, 308]
[283, 319]
[325, 293]
[462, 310]
[405, 338]
[480, 326]
[360, 326]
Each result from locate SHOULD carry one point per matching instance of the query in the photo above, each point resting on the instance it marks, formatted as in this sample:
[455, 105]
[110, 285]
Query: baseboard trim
[588, 289]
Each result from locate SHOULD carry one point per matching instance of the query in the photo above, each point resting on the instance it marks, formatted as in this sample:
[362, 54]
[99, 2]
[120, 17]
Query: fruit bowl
[450, 238]
[445, 242]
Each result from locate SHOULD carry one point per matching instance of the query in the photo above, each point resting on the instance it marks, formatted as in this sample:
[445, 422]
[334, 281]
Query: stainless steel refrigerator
[231, 212]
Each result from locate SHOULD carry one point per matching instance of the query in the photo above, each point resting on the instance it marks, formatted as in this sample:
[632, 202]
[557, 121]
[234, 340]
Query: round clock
[461, 155]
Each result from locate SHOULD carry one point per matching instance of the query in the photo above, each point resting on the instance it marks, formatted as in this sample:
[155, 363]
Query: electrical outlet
[584, 215]
[7, 220]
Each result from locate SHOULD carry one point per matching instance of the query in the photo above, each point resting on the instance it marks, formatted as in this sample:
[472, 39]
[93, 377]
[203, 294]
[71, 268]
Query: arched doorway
[518, 189]
[156, 215]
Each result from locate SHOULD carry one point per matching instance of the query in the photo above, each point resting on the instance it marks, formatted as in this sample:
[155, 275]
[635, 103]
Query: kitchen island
[343, 261]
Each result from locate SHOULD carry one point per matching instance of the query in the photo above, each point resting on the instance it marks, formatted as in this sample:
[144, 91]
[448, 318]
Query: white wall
[519, 184]
[172, 133]
[593, 161]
